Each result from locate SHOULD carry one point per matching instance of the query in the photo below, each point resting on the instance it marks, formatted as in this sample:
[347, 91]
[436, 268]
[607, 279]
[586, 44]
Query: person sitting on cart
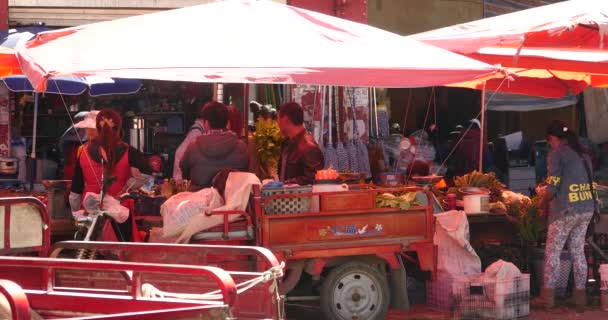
[301, 156]
[77, 141]
[118, 160]
[218, 148]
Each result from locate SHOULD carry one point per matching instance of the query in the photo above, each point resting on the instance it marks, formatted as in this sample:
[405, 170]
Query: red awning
[244, 42]
[560, 47]
[9, 65]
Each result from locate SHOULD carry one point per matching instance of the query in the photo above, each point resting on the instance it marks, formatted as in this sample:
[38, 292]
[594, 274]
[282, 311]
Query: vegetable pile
[389, 200]
[479, 180]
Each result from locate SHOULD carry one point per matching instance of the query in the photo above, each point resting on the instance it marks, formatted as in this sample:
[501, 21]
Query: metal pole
[34, 134]
[482, 128]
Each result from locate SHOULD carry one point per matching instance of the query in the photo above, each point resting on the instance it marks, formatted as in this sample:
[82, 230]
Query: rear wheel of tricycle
[355, 290]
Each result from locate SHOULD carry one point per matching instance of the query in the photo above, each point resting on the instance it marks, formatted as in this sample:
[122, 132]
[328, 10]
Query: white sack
[236, 193]
[178, 210]
[502, 270]
[456, 256]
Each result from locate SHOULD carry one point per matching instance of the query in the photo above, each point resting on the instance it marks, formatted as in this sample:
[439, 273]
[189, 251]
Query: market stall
[554, 51]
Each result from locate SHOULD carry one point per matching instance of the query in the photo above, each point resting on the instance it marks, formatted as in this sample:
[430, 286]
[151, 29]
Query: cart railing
[9, 246]
[103, 301]
[124, 249]
[222, 278]
[20, 308]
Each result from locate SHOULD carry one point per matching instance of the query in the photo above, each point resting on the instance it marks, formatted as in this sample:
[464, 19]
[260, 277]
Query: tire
[355, 290]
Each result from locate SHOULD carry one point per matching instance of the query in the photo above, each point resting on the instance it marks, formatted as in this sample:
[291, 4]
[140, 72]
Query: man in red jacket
[301, 156]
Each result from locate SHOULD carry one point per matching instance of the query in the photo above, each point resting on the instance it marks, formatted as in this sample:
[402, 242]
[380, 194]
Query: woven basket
[287, 205]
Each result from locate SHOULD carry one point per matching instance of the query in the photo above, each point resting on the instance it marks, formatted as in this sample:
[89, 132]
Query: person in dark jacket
[570, 201]
[218, 148]
[301, 156]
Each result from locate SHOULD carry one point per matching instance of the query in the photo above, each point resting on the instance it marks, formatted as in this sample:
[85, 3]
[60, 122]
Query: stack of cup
[604, 286]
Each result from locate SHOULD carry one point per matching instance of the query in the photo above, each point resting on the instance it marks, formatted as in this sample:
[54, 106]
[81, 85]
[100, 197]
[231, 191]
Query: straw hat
[89, 121]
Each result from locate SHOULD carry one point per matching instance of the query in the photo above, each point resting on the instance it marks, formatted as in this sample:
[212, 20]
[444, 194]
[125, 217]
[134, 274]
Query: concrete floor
[301, 311]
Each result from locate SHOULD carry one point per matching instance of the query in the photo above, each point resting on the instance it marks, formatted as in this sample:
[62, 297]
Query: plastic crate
[439, 296]
[287, 205]
[476, 297]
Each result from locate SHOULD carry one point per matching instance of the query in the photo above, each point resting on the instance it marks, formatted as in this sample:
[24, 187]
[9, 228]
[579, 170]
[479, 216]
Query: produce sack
[236, 195]
[456, 256]
[178, 210]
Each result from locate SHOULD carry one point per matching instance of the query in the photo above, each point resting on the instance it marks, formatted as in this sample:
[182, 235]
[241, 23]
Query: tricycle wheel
[355, 290]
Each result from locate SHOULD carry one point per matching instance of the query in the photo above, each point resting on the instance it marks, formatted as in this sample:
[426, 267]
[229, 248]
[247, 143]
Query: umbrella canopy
[98, 86]
[9, 65]
[13, 38]
[559, 46]
[244, 42]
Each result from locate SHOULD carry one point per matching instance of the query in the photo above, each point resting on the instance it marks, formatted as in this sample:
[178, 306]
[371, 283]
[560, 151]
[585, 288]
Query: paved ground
[300, 311]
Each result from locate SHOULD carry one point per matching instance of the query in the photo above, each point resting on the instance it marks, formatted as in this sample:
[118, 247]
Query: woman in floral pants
[571, 204]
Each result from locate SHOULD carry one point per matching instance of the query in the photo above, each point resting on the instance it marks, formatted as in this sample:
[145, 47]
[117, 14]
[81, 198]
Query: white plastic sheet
[178, 210]
[456, 256]
[502, 270]
[237, 193]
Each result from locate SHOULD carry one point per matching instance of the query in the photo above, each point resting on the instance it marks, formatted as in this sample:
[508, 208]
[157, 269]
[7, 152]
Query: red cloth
[91, 172]
[69, 166]
[552, 49]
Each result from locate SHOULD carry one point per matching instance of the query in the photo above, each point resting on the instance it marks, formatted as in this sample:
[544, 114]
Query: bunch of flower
[268, 140]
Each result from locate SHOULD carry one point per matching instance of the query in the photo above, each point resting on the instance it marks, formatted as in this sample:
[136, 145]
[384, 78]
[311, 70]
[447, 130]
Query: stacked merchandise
[346, 111]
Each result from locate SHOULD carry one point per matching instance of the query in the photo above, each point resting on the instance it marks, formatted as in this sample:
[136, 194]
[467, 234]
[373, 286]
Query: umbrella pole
[34, 134]
[482, 128]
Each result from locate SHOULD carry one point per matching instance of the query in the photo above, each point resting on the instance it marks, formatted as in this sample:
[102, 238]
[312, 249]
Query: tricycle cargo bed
[244, 264]
[346, 220]
[52, 301]
[346, 229]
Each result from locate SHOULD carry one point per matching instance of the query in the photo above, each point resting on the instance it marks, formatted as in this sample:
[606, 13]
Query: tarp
[596, 114]
[515, 102]
[244, 42]
[560, 46]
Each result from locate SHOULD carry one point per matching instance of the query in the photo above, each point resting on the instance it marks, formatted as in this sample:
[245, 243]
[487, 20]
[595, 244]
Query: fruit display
[327, 174]
[389, 200]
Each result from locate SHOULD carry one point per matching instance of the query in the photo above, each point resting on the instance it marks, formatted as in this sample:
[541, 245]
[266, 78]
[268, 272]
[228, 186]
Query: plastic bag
[502, 270]
[178, 210]
[407, 152]
[425, 151]
[456, 257]
[236, 193]
[111, 206]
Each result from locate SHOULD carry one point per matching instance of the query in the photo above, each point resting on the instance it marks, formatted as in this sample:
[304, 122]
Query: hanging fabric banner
[5, 126]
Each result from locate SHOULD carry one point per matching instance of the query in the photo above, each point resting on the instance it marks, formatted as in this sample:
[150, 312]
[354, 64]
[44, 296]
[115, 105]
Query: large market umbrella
[97, 86]
[243, 42]
[9, 65]
[10, 71]
[555, 49]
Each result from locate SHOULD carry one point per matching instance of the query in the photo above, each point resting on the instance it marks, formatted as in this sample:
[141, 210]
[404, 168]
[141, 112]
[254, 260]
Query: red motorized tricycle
[352, 250]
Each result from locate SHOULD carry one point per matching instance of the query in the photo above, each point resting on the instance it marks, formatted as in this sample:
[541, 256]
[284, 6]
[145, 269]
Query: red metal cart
[53, 301]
